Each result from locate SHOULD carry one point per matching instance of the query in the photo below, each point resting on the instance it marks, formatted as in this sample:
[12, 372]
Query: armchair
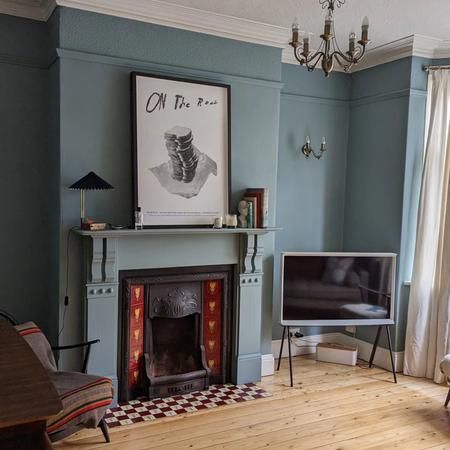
[85, 398]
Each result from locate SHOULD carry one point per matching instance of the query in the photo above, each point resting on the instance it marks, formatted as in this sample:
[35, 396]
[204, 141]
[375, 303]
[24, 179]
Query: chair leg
[447, 399]
[104, 427]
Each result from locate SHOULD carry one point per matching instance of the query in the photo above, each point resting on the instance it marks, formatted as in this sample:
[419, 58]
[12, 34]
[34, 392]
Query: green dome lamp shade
[90, 182]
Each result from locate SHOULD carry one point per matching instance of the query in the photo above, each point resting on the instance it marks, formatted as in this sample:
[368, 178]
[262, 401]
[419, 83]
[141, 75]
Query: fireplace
[109, 256]
[175, 330]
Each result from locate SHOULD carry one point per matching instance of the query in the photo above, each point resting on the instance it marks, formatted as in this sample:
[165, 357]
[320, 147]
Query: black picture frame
[134, 122]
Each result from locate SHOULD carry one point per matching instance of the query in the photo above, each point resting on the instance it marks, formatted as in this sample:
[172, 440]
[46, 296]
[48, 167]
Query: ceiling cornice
[414, 45]
[178, 16]
[39, 11]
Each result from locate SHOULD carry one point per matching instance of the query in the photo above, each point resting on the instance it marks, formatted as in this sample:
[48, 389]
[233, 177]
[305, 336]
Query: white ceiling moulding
[383, 54]
[415, 45]
[443, 51]
[186, 18]
[177, 16]
[29, 9]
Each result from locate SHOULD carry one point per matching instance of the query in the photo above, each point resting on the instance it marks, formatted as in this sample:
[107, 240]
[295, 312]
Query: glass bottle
[138, 219]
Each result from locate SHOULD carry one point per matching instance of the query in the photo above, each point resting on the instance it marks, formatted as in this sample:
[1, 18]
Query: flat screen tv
[328, 289]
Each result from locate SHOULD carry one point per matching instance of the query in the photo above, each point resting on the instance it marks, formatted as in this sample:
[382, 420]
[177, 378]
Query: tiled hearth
[136, 411]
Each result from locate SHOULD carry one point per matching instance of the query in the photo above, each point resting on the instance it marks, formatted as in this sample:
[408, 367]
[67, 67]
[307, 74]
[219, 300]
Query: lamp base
[94, 226]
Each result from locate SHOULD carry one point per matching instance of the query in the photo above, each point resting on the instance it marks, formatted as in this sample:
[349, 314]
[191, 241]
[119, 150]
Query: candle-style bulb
[323, 145]
[305, 51]
[351, 42]
[308, 140]
[365, 29]
[365, 22]
[328, 24]
[295, 32]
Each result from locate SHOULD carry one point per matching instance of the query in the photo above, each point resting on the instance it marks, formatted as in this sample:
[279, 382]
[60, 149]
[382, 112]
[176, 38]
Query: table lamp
[90, 182]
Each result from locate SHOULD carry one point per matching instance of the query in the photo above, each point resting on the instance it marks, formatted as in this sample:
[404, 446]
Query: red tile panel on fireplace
[212, 324]
[136, 336]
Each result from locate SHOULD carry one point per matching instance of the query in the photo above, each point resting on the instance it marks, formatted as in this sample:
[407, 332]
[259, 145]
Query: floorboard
[330, 407]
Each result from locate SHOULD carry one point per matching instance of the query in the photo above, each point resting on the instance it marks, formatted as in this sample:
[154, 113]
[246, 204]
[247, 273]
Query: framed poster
[181, 150]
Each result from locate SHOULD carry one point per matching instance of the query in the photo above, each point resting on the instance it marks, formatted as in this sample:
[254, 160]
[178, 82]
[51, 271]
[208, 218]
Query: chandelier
[329, 51]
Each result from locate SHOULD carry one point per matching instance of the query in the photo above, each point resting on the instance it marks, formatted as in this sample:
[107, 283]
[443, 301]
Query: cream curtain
[427, 334]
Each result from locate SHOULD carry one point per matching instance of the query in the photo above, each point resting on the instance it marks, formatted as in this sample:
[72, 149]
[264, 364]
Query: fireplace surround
[108, 253]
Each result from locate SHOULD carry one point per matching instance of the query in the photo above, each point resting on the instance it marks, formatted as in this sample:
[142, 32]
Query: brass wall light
[307, 149]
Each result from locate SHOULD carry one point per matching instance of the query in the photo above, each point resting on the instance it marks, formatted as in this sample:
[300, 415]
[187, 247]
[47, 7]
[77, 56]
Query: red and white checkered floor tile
[136, 411]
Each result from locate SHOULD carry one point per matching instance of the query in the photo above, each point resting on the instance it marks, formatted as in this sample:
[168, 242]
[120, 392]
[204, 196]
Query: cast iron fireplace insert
[175, 326]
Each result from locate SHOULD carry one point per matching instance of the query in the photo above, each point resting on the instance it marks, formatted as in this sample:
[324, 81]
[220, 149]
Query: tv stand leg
[375, 345]
[290, 355]
[374, 349]
[281, 348]
[390, 352]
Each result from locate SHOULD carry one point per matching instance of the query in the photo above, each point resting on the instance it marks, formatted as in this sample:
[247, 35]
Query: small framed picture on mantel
[181, 150]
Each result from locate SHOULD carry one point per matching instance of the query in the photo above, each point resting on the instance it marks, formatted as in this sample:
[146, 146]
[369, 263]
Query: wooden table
[27, 397]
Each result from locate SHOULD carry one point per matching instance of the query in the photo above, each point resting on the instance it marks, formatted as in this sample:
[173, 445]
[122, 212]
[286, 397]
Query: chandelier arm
[311, 67]
[339, 54]
[362, 51]
[314, 60]
[320, 52]
[345, 66]
[301, 58]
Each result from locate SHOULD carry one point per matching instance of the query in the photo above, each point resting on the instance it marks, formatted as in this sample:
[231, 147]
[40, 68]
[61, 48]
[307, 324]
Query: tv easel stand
[372, 354]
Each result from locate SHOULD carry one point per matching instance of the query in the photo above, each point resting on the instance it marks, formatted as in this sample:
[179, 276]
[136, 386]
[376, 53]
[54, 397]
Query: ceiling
[389, 19]
[392, 22]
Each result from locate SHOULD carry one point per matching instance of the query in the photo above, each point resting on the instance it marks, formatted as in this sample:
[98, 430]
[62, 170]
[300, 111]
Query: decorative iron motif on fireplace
[177, 303]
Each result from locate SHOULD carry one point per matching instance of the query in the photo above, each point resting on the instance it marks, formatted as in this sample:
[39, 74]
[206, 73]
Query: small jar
[231, 220]
[218, 222]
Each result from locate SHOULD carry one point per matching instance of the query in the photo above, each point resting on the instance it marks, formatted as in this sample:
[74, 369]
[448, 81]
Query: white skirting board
[306, 345]
[267, 365]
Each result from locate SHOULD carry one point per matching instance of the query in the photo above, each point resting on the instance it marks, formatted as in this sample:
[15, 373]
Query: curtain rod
[428, 67]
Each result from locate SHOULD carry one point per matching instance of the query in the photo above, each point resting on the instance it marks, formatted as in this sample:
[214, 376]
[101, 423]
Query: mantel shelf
[175, 232]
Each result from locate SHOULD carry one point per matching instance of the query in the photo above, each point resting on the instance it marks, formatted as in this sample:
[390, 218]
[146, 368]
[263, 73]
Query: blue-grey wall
[26, 157]
[95, 132]
[63, 117]
[310, 193]
[384, 166]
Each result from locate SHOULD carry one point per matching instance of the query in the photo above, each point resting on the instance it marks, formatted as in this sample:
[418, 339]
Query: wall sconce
[307, 149]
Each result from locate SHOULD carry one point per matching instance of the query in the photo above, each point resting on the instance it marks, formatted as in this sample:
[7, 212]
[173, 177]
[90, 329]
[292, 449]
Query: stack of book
[258, 207]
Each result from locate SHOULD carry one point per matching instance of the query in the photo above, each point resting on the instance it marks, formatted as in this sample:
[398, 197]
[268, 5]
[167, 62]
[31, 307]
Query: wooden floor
[330, 407]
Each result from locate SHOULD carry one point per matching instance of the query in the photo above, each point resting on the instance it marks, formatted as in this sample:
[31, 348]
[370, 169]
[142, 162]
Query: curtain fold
[427, 333]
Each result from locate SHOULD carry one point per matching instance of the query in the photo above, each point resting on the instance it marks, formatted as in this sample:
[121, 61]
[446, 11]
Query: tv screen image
[337, 289]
